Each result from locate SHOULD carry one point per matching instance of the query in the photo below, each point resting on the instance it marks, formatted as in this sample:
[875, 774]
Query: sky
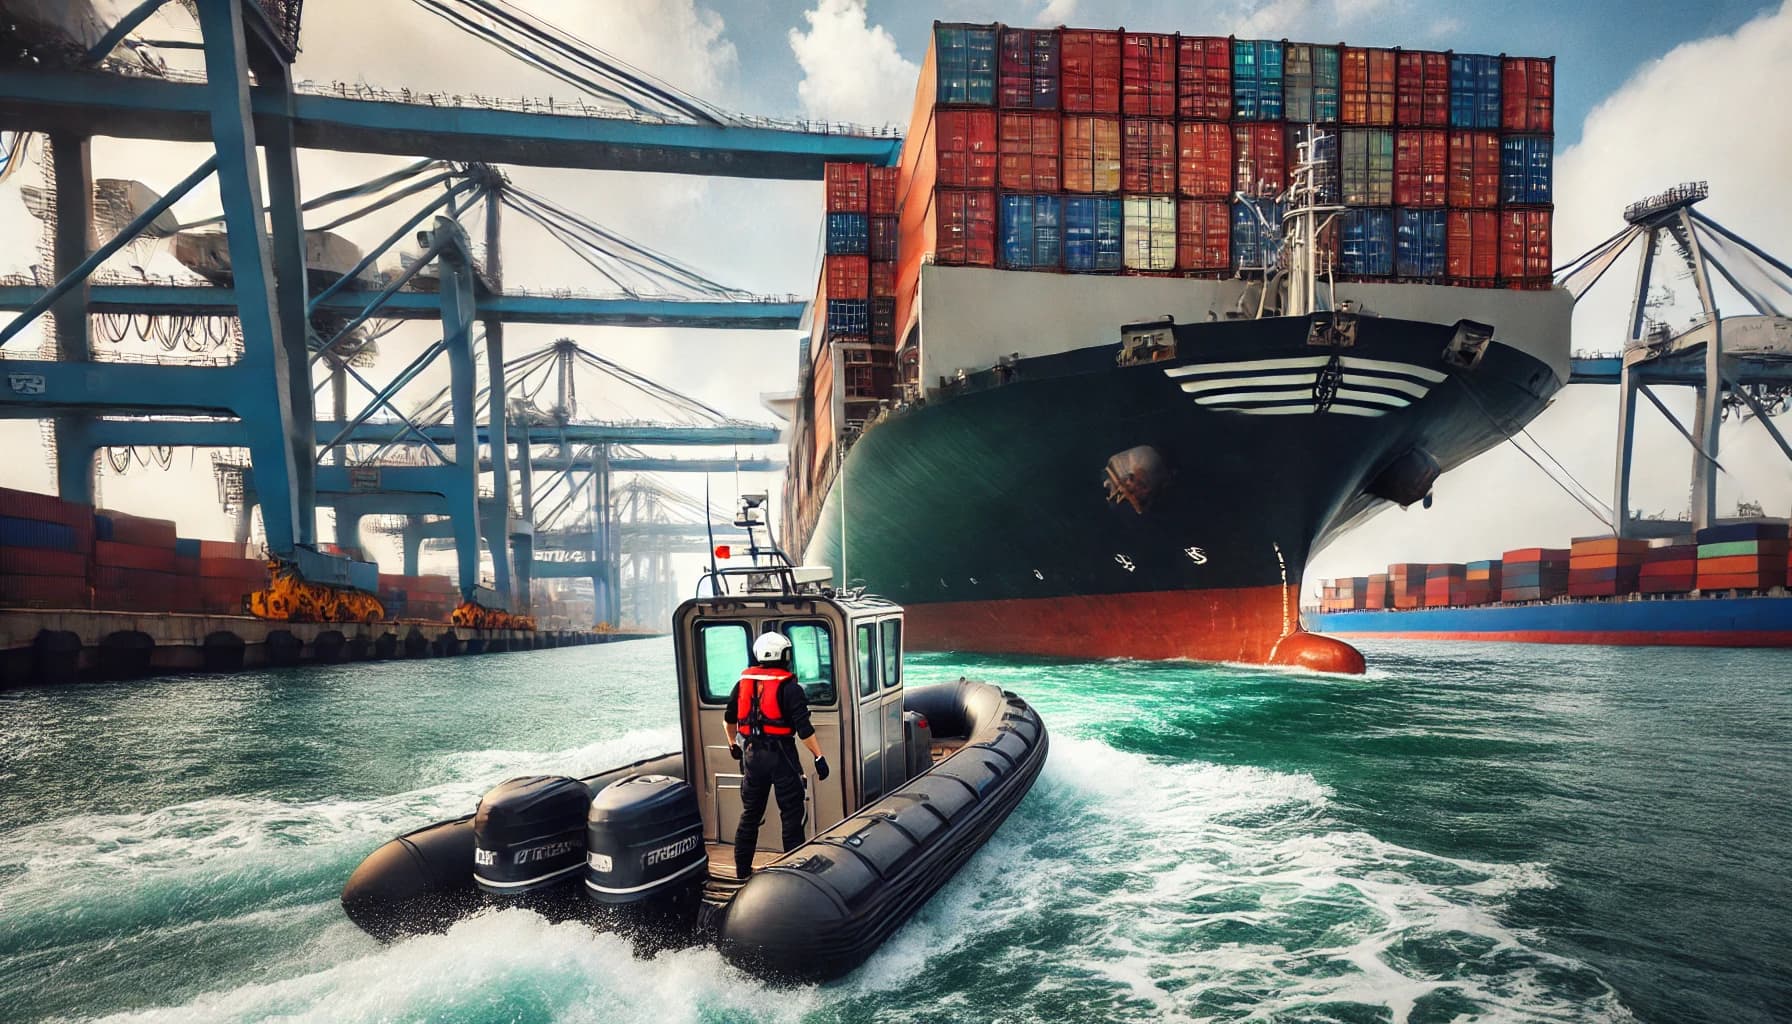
[1648, 94]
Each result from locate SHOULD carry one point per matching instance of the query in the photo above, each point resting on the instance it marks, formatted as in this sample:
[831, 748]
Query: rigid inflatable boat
[923, 777]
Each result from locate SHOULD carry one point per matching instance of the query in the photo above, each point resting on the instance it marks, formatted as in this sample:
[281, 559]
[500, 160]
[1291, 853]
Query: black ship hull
[991, 513]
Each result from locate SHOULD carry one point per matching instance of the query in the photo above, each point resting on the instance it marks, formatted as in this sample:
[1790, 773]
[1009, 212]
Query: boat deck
[721, 884]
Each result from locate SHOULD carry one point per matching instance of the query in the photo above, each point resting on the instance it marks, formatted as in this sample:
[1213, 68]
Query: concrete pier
[40, 647]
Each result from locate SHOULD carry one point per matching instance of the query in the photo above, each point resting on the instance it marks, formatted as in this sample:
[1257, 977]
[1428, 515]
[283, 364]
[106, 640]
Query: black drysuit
[769, 763]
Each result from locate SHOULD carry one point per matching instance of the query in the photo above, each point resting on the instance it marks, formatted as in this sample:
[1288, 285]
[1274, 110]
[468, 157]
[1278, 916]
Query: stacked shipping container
[1669, 567]
[1448, 156]
[1604, 566]
[1446, 585]
[1533, 574]
[1483, 582]
[1742, 556]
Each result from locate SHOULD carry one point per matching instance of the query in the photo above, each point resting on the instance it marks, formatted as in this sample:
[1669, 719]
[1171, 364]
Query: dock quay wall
[50, 646]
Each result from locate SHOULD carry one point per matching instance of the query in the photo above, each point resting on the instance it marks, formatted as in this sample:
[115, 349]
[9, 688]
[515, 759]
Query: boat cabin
[846, 651]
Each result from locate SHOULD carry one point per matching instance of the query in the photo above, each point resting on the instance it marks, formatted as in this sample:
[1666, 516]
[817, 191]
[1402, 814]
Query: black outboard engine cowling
[529, 834]
[644, 841]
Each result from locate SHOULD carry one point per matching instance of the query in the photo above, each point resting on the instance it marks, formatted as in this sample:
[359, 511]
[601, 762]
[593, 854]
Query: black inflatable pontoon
[810, 915]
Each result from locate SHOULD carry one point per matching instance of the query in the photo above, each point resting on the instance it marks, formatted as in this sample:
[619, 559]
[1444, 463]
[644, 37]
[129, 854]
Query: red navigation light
[722, 551]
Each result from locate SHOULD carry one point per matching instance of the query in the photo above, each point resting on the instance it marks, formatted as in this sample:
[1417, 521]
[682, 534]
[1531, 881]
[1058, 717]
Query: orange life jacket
[758, 713]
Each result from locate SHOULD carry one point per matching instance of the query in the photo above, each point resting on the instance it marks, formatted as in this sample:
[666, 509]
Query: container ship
[1141, 321]
[1724, 586]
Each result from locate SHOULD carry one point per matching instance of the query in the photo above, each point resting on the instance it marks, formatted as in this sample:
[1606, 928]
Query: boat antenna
[709, 526]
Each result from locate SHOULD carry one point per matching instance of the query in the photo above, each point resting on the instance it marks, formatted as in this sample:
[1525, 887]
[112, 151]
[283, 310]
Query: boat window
[812, 659]
[723, 648]
[867, 661]
[890, 642]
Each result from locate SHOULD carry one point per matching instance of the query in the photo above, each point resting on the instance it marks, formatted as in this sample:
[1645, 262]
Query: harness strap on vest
[760, 709]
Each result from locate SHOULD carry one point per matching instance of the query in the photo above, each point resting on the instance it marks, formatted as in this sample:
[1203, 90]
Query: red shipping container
[1421, 167]
[1258, 158]
[129, 529]
[966, 227]
[117, 578]
[848, 187]
[46, 508]
[1147, 156]
[42, 562]
[883, 189]
[885, 231]
[1474, 170]
[133, 556]
[1204, 160]
[233, 568]
[1204, 78]
[44, 592]
[1528, 94]
[1030, 148]
[1366, 93]
[1091, 65]
[1148, 74]
[186, 565]
[1525, 253]
[965, 141]
[883, 280]
[1422, 89]
[222, 549]
[1203, 234]
[223, 597]
[1027, 69]
[1471, 253]
[1091, 154]
[848, 277]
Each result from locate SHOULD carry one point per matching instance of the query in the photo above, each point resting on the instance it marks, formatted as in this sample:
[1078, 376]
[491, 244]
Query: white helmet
[771, 647]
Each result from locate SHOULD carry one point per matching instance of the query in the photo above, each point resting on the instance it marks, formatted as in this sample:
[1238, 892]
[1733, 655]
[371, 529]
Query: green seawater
[1472, 832]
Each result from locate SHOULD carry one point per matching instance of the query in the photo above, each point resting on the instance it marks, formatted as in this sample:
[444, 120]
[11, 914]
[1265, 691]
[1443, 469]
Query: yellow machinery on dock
[290, 597]
[478, 616]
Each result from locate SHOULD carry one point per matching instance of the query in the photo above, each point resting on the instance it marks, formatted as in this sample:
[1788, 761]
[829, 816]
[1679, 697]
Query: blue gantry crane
[1737, 364]
[295, 334]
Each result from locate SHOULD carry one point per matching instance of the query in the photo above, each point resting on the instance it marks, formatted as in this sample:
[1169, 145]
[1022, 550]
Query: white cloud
[852, 70]
[1702, 112]
[1058, 12]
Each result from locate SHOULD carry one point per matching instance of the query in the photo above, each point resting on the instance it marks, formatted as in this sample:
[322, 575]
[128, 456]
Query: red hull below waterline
[1254, 625]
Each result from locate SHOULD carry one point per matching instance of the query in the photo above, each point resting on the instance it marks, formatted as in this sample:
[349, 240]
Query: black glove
[821, 768]
[734, 751]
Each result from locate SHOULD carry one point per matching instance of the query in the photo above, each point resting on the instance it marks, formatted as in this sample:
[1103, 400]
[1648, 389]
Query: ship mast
[1302, 226]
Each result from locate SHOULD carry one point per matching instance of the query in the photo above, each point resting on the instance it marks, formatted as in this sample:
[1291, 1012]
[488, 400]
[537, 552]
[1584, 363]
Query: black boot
[743, 869]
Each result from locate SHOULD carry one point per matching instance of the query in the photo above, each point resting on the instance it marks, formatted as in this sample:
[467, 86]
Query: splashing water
[1484, 833]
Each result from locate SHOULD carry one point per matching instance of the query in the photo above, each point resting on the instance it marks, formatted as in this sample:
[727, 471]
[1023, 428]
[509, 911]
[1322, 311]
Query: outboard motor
[644, 841]
[529, 835]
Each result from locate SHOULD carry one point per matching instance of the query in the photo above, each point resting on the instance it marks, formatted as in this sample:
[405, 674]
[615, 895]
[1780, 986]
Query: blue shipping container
[1254, 242]
[1368, 243]
[1032, 231]
[186, 547]
[1526, 166]
[1257, 80]
[965, 58]
[848, 317]
[1092, 233]
[849, 234]
[1420, 241]
[33, 533]
[1474, 91]
[102, 527]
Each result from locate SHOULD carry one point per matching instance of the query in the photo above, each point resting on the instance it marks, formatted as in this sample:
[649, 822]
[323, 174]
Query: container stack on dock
[45, 548]
[1533, 574]
[1742, 556]
[418, 597]
[1670, 566]
[134, 564]
[1604, 566]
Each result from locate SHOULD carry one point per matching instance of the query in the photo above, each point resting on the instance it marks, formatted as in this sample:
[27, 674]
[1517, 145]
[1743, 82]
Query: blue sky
[1598, 44]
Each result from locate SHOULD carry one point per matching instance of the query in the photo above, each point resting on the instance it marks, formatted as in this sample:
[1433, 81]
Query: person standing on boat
[767, 713]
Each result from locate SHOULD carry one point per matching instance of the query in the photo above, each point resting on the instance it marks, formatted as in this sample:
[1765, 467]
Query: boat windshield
[725, 650]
